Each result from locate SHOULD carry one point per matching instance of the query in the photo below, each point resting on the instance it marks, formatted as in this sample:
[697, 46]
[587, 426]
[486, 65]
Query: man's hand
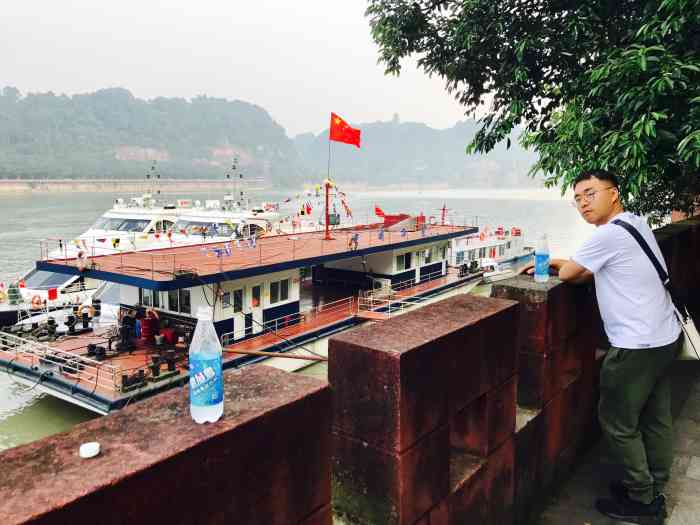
[567, 270]
[529, 268]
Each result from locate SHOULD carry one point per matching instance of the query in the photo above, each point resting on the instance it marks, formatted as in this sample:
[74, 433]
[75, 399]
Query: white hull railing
[317, 313]
[38, 356]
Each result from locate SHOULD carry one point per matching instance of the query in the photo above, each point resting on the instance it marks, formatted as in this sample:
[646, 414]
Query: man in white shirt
[635, 389]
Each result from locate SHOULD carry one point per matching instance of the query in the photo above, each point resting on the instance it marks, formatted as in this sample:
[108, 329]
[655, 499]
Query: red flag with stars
[340, 131]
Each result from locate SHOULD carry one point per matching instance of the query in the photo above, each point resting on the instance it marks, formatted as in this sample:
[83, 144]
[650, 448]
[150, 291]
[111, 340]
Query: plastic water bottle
[206, 379]
[542, 259]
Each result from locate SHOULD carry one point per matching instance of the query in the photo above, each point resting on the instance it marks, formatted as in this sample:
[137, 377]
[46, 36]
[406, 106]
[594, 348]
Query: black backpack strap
[657, 265]
[645, 247]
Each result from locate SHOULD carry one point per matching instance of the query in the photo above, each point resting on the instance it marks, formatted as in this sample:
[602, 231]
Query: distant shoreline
[170, 186]
[184, 186]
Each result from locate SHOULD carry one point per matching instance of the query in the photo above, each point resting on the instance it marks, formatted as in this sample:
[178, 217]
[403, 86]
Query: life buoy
[91, 310]
[432, 220]
[36, 302]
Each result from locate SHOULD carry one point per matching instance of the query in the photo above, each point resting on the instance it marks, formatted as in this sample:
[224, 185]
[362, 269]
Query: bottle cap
[89, 450]
[205, 313]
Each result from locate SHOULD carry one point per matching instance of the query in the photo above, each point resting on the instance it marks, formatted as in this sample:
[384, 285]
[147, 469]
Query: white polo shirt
[635, 307]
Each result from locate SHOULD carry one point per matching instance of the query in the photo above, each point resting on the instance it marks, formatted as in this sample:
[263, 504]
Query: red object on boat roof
[53, 294]
[390, 220]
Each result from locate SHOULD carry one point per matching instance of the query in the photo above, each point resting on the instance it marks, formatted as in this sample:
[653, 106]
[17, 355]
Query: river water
[25, 219]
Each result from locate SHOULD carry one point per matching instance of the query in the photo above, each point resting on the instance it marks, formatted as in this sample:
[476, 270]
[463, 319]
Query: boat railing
[315, 314]
[46, 359]
[410, 283]
[387, 305]
[160, 262]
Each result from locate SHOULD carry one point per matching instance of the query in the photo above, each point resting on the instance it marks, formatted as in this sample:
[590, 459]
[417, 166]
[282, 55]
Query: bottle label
[206, 381]
[541, 264]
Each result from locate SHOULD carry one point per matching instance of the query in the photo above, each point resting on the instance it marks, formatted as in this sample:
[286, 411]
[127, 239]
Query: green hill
[112, 134]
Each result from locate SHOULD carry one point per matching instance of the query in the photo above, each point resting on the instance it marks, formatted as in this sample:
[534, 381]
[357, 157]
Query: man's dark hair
[598, 174]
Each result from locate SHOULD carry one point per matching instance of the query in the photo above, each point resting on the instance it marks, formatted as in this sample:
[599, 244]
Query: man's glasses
[587, 197]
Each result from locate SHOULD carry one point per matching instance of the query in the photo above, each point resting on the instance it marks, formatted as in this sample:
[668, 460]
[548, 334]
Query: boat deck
[64, 369]
[230, 258]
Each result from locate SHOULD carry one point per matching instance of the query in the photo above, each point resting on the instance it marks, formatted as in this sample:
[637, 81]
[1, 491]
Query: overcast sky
[299, 59]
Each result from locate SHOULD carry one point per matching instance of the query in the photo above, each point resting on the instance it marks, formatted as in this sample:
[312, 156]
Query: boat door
[256, 308]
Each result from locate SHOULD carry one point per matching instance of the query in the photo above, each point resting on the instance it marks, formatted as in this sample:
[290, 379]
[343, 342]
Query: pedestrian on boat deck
[645, 337]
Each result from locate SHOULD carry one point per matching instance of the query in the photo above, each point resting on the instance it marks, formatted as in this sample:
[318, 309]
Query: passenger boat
[496, 252]
[267, 295]
[138, 224]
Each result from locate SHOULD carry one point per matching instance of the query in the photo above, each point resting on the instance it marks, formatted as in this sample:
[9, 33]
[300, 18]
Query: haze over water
[26, 415]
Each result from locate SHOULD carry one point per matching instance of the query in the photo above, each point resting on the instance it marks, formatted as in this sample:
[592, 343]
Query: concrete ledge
[267, 461]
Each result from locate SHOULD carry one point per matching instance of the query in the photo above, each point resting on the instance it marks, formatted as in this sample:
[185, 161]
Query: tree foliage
[596, 84]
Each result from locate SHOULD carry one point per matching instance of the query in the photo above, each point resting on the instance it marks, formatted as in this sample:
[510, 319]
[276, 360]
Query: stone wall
[471, 409]
[267, 461]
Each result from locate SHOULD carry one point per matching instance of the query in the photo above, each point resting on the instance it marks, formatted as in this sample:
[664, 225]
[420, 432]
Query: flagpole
[329, 159]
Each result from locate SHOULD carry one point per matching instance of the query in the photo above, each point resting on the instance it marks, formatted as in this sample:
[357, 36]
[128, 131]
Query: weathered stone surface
[467, 501]
[375, 486]
[391, 380]
[499, 476]
[528, 449]
[547, 313]
[267, 460]
[542, 375]
[559, 425]
[484, 424]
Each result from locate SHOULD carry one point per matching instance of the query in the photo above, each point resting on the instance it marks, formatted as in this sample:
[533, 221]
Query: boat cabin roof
[195, 265]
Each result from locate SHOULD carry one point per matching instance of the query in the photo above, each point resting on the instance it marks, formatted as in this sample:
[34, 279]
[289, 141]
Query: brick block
[559, 415]
[487, 422]
[467, 501]
[547, 313]
[528, 441]
[375, 486]
[542, 375]
[538, 381]
[499, 475]
[391, 380]
[468, 369]
[266, 461]
[500, 343]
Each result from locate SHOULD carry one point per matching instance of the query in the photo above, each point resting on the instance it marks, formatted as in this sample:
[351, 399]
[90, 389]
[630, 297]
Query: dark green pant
[635, 415]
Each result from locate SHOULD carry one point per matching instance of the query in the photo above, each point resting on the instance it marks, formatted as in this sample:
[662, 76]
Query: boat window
[43, 280]
[208, 228]
[472, 255]
[508, 245]
[255, 300]
[226, 300]
[501, 250]
[443, 252]
[482, 253]
[284, 289]
[173, 301]
[238, 300]
[185, 305]
[279, 291]
[403, 262]
[459, 259]
[131, 225]
[149, 297]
